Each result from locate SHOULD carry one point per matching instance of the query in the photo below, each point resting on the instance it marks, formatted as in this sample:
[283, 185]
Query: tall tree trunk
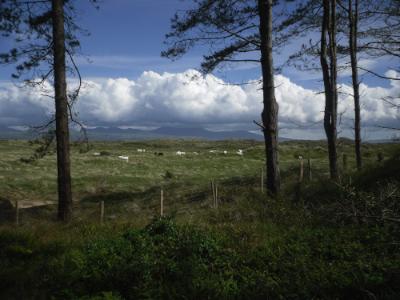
[329, 73]
[270, 112]
[353, 24]
[61, 102]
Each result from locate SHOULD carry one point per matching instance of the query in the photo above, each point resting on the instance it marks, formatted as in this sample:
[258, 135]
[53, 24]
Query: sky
[128, 83]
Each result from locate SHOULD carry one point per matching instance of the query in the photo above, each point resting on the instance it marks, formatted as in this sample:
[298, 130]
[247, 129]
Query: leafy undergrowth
[371, 196]
[165, 260]
[372, 176]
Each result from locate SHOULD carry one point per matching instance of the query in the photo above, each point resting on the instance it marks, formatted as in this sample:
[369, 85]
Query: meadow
[137, 183]
[319, 239]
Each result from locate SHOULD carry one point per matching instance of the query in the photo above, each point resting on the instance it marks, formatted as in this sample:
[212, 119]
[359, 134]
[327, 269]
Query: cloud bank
[189, 99]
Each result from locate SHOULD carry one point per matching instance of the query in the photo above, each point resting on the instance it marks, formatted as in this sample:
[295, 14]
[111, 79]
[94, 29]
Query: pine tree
[49, 37]
[236, 31]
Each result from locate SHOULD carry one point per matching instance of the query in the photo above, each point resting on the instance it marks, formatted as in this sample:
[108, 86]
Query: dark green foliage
[226, 25]
[380, 157]
[169, 261]
[84, 146]
[105, 153]
[388, 170]
[33, 19]
[368, 197]
[168, 175]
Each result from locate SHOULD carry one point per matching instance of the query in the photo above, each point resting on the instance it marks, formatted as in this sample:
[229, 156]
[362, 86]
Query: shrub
[168, 175]
[169, 261]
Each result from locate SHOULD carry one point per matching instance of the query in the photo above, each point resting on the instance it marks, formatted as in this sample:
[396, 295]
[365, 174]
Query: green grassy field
[318, 240]
[185, 179]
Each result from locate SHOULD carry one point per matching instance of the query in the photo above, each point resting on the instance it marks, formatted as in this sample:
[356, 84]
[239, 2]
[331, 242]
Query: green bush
[105, 153]
[169, 261]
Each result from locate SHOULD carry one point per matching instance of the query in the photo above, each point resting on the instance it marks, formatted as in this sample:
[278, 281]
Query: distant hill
[166, 132]
[7, 133]
[201, 133]
[116, 134]
[169, 132]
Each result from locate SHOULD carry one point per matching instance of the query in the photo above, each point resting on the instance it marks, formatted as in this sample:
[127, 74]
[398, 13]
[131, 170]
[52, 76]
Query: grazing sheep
[225, 152]
[158, 153]
[180, 153]
[124, 157]
[141, 150]
[213, 151]
[96, 154]
[239, 152]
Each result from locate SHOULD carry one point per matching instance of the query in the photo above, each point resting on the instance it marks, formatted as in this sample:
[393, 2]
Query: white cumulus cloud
[189, 98]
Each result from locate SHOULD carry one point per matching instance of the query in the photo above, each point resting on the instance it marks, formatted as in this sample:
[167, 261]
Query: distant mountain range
[7, 133]
[129, 134]
[116, 133]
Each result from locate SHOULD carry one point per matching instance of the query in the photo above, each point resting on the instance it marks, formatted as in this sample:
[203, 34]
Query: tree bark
[61, 103]
[329, 73]
[270, 111]
[353, 24]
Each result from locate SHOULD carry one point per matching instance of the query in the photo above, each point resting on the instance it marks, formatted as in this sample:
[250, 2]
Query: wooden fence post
[16, 213]
[213, 192]
[309, 169]
[344, 162]
[301, 169]
[214, 189]
[162, 203]
[101, 212]
[262, 180]
[216, 196]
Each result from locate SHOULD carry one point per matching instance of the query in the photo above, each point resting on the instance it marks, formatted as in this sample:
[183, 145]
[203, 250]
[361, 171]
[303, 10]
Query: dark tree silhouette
[379, 32]
[48, 29]
[376, 37]
[328, 60]
[367, 28]
[308, 18]
[270, 112]
[352, 13]
[62, 128]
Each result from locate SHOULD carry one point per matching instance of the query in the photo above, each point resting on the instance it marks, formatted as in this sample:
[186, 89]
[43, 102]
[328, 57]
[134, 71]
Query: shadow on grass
[118, 197]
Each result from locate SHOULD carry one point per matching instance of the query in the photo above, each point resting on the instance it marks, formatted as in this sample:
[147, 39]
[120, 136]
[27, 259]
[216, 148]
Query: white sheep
[124, 157]
[180, 153]
[239, 152]
[225, 152]
[141, 150]
[96, 154]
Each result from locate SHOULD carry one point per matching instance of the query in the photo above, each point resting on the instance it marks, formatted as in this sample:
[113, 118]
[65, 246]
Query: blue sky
[126, 38]
[121, 61]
